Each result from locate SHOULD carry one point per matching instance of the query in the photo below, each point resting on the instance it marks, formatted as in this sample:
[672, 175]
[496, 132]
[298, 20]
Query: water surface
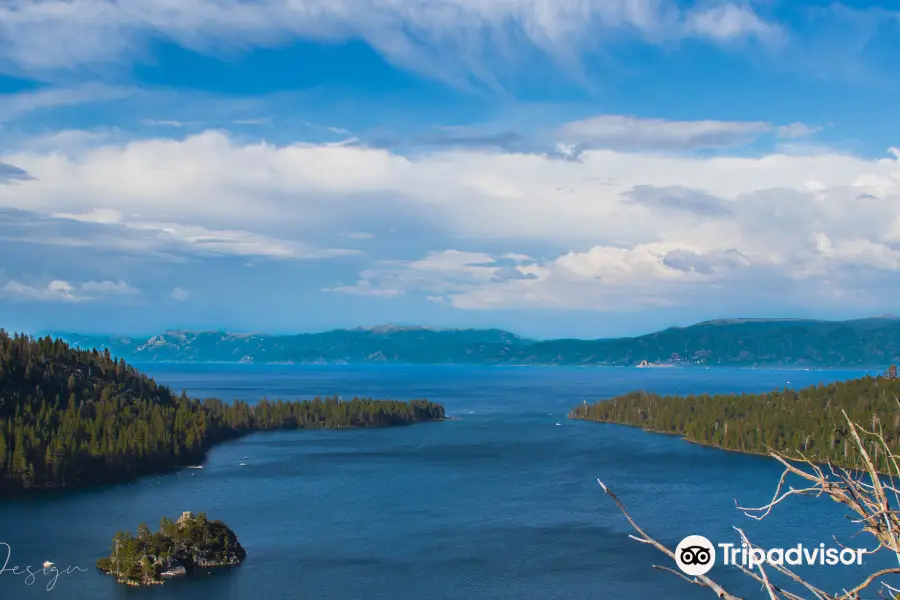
[500, 503]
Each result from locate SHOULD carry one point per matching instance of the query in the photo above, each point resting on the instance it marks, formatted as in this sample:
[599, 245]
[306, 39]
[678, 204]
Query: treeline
[70, 417]
[807, 421]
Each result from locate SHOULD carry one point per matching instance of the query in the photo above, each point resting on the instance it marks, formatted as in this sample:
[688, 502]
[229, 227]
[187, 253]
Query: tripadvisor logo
[696, 555]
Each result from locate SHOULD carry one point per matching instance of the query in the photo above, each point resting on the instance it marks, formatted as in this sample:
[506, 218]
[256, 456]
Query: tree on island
[178, 547]
[870, 493]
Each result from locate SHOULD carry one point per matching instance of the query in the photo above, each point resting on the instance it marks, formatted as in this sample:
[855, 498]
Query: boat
[47, 564]
[243, 464]
[557, 423]
[195, 467]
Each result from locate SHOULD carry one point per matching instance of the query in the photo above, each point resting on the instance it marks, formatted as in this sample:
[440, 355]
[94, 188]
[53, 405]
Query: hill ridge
[867, 342]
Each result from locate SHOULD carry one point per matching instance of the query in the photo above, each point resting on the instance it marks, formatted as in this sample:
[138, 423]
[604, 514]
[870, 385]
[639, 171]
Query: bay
[499, 503]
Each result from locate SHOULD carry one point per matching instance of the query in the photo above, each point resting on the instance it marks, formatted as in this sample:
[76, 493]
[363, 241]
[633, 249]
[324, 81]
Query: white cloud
[171, 123]
[150, 236]
[59, 290]
[357, 235]
[447, 38]
[231, 242]
[728, 21]
[629, 132]
[364, 288]
[108, 287]
[797, 130]
[98, 215]
[600, 278]
[630, 228]
[179, 294]
[55, 290]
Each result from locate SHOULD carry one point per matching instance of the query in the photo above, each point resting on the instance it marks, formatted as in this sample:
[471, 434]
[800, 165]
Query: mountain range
[871, 342]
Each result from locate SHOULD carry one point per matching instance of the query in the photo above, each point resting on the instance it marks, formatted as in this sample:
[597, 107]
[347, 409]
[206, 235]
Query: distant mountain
[870, 342]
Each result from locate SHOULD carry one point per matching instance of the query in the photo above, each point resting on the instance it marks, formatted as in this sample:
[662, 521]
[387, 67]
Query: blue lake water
[500, 503]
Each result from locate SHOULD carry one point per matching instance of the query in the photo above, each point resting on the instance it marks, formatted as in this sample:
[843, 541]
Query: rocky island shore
[178, 548]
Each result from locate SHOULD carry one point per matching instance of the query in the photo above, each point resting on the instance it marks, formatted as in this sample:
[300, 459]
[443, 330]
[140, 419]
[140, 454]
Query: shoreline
[20, 494]
[684, 438]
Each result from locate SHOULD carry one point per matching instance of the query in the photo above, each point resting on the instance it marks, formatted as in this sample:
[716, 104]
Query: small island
[178, 548]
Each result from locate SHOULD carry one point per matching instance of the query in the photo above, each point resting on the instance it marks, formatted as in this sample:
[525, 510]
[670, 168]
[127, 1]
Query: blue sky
[580, 168]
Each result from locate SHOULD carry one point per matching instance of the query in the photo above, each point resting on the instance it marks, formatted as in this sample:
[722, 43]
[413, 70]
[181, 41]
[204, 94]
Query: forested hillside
[734, 342]
[808, 420]
[71, 417]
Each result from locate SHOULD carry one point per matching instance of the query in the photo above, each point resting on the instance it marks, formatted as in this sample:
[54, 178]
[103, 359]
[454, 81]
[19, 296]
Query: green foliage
[192, 541]
[71, 417]
[807, 421]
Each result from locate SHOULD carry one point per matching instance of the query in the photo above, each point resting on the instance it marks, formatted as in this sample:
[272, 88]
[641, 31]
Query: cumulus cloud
[445, 38]
[625, 228]
[179, 294]
[599, 278]
[59, 290]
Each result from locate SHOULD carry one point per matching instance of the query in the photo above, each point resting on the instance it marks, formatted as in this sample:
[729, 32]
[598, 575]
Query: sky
[557, 168]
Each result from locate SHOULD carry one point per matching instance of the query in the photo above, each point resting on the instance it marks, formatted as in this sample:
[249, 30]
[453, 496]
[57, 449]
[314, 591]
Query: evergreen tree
[789, 421]
[71, 417]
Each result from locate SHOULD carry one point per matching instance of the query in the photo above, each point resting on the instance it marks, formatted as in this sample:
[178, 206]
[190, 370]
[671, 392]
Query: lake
[500, 503]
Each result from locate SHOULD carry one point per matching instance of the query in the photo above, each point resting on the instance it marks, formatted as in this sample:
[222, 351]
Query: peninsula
[178, 548]
[72, 418]
[790, 421]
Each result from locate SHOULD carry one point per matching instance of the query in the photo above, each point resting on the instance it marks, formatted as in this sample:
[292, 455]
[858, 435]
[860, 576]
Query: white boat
[196, 467]
[47, 564]
[243, 464]
[557, 423]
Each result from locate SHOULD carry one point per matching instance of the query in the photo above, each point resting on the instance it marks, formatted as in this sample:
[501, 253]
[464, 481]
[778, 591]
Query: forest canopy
[71, 417]
[807, 421]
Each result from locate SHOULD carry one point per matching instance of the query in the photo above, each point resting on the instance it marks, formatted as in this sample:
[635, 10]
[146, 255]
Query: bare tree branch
[868, 497]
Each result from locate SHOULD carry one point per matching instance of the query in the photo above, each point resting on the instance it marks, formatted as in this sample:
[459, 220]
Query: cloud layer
[615, 230]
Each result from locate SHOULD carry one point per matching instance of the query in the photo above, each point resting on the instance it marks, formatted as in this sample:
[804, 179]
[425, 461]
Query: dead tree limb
[872, 496]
